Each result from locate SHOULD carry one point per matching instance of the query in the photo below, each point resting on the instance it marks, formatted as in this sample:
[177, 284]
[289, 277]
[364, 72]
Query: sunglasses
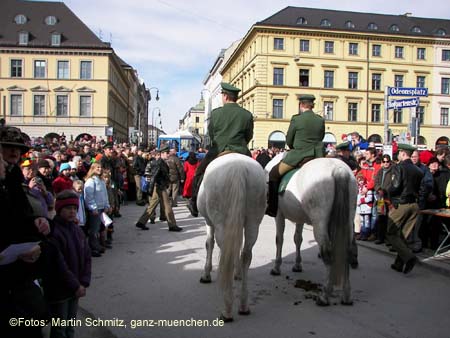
[386, 161]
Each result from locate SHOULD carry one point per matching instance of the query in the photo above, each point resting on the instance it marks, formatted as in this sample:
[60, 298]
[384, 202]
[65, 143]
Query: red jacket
[369, 172]
[61, 183]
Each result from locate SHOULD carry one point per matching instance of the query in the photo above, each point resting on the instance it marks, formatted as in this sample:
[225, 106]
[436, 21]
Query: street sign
[404, 103]
[403, 91]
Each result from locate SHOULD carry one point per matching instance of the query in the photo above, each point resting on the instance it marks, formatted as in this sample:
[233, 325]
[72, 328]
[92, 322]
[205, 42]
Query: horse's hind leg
[324, 297]
[346, 298]
[280, 222]
[206, 276]
[298, 239]
[251, 234]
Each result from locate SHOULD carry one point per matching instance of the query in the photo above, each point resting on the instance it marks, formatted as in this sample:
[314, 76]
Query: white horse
[322, 193]
[232, 198]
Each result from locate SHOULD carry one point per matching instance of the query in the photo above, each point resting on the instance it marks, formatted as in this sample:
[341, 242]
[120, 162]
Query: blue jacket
[95, 194]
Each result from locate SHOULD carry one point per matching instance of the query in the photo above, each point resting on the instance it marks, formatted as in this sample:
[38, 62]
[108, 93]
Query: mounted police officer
[230, 129]
[304, 138]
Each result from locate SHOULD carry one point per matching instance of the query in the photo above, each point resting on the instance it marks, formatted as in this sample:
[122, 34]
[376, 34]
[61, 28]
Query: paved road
[155, 275]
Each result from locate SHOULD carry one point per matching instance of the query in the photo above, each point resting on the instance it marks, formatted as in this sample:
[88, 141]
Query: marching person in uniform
[304, 138]
[230, 129]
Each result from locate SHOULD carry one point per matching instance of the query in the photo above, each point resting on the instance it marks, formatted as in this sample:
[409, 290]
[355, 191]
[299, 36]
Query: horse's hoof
[244, 312]
[237, 278]
[297, 269]
[204, 280]
[354, 264]
[225, 319]
[347, 302]
[321, 302]
[274, 272]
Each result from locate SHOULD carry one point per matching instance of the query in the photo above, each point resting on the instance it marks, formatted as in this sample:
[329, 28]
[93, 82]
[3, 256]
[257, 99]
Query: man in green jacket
[230, 129]
[304, 138]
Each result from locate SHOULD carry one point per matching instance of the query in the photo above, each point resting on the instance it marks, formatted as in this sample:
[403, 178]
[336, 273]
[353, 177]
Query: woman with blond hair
[96, 198]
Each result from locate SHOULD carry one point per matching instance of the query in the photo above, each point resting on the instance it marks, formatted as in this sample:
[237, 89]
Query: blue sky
[174, 43]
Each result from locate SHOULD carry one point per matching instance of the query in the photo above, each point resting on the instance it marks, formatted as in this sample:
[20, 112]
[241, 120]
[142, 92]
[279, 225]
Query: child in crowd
[78, 187]
[364, 207]
[106, 242]
[63, 289]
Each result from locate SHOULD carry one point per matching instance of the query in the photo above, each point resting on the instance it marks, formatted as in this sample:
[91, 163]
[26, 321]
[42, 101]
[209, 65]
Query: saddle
[285, 180]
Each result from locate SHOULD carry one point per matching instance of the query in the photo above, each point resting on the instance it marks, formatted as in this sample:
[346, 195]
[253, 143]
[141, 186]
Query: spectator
[176, 176]
[190, 166]
[63, 181]
[139, 170]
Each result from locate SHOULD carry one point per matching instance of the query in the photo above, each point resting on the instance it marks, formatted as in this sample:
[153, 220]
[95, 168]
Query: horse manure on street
[308, 286]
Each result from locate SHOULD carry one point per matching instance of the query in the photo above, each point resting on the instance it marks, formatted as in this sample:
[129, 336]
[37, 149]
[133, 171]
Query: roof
[74, 33]
[301, 17]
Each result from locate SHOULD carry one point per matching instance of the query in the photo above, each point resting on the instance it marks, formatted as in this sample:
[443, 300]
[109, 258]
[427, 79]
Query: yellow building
[56, 76]
[194, 120]
[345, 59]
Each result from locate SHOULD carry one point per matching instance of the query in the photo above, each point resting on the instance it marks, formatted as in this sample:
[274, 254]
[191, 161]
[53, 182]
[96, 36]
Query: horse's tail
[234, 206]
[340, 225]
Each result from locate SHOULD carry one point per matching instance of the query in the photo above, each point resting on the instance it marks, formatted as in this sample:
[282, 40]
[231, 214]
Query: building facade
[57, 77]
[346, 60]
[194, 119]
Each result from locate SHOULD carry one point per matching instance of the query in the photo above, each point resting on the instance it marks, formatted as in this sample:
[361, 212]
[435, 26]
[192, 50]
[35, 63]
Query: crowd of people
[63, 198]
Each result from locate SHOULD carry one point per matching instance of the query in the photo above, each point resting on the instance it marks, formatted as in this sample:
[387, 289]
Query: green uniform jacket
[231, 128]
[304, 137]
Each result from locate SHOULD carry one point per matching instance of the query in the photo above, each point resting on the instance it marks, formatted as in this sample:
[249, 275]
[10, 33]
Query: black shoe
[152, 221]
[379, 241]
[142, 226]
[398, 264]
[162, 219]
[175, 228]
[192, 206]
[140, 203]
[410, 265]
[391, 249]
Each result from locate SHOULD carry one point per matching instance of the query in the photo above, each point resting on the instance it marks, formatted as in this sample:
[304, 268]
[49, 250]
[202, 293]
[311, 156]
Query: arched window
[394, 28]
[416, 29]
[349, 24]
[20, 19]
[301, 21]
[277, 139]
[372, 26]
[441, 32]
[50, 20]
[325, 23]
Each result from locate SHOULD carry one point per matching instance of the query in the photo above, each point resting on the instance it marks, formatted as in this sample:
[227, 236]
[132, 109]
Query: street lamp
[150, 93]
[153, 122]
[207, 116]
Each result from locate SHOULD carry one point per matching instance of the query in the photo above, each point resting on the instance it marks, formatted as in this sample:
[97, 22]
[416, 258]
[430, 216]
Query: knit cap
[64, 166]
[66, 198]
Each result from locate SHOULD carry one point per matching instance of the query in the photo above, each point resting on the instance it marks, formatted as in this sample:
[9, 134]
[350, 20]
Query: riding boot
[272, 201]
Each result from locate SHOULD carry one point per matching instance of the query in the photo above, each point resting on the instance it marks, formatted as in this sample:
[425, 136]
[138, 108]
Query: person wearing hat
[304, 138]
[230, 129]
[139, 170]
[111, 163]
[44, 171]
[344, 154]
[63, 181]
[157, 172]
[67, 281]
[403, 207]
[19, 224]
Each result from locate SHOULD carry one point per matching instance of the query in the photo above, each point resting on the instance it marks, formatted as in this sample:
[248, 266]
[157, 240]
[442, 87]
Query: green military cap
[306, 97]
[164, 149]
[405, 146]
[108, 145]
[226, 87]
[343, 146]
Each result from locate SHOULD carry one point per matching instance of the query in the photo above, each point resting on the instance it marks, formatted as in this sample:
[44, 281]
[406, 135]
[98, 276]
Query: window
[352, 80]
[349, 24]
[23, 38]
[420, 83]
[445, 85]
[62, 105]
[372, 26]
[40, 69]
[85, 106]
[376, 81]
[353, 48]
[329, 110]
[16, 68]
[50, 20]
[398, 81]
[278, 43]
[329, 47]
[398, 52]
[441, 32]
[416, 29]
[446, 55]
[352, 111]
[325, 23]
[63, 69]
[376, 112]
[86, 70]
[444, 117]
[304, 78]
[39, 105]
[394, 28]
[304, 45]
[301, 21]
[329, 79]
[278, 74]
[20, 19]
[420, 112]
[376, 50]
[420, 53]
[56, 39]
[16, 105]
[197, 119]
[398, 116]
[277, 110]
